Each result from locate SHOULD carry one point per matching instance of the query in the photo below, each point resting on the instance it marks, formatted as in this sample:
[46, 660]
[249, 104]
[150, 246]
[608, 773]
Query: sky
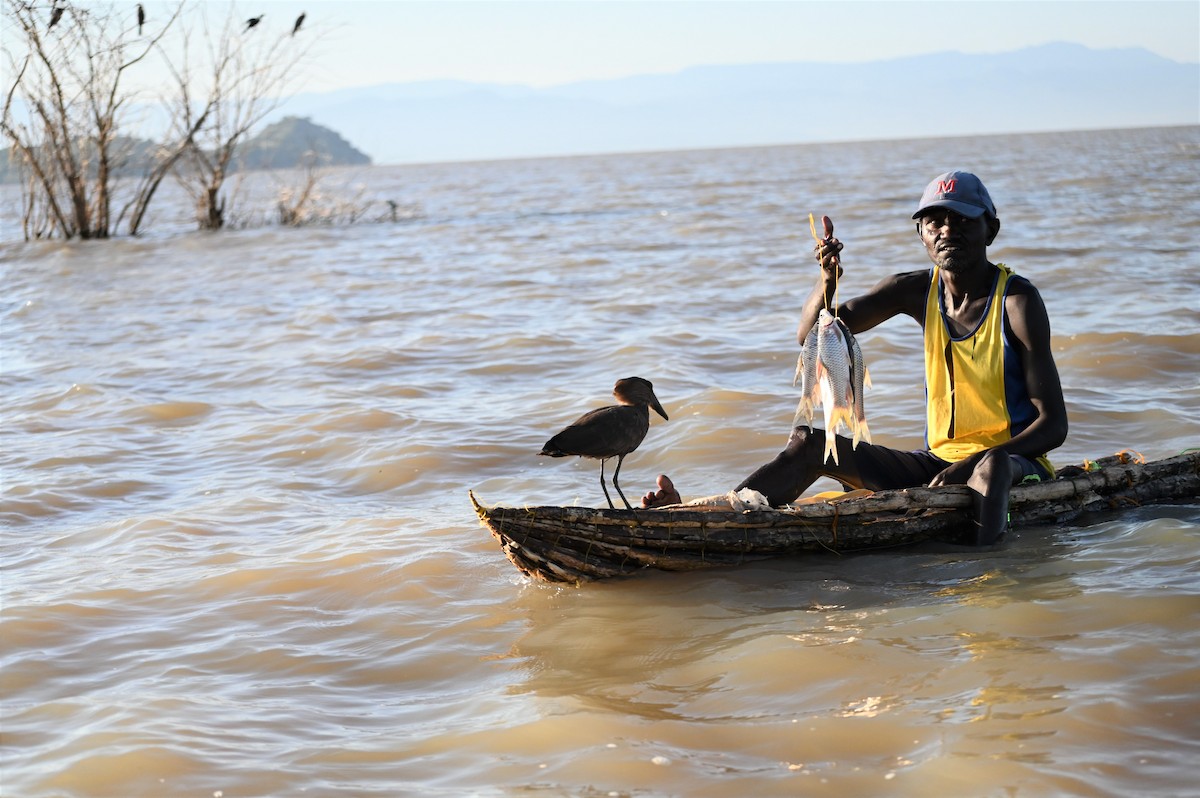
[368, 42]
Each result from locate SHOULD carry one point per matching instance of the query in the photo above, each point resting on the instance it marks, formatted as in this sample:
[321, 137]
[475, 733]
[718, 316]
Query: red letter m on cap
[946, 186]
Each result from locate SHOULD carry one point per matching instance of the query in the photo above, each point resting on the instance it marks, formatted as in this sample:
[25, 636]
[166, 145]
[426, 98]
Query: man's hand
[957, 473]
[828, 255]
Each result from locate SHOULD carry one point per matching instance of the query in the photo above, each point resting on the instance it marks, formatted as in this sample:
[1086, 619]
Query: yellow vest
[975, 391]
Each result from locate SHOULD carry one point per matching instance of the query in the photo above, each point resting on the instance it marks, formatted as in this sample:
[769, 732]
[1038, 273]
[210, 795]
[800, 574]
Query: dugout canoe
[580, 544]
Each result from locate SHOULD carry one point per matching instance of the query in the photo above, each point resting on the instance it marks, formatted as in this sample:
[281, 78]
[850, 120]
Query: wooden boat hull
[578, 544]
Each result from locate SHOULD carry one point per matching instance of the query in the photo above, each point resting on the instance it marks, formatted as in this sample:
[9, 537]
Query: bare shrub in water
[245, 73]
[69, 65]
[68, 113]
[306, 204]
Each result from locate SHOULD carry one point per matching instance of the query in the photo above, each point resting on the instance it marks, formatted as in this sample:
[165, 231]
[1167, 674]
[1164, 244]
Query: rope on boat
[1123, 457]
[1131, 456]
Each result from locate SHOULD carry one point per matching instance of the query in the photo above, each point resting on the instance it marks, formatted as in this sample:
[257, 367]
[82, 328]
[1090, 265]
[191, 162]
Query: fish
[835, 379]
[860, 379]
[806, 375]
[833, 374]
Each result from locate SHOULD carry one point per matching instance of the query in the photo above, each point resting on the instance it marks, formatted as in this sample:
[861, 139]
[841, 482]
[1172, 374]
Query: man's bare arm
[1030, 325]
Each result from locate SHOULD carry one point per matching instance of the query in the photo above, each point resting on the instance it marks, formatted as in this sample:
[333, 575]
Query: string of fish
[832, 373]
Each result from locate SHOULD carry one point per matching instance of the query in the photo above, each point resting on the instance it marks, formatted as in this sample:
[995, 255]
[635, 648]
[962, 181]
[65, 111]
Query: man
[994, 401]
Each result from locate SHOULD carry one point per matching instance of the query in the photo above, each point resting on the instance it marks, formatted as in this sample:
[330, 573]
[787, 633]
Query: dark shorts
[881, 468]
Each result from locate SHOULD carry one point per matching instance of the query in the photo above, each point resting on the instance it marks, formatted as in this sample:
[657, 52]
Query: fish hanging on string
[831, 367]
[833, 374]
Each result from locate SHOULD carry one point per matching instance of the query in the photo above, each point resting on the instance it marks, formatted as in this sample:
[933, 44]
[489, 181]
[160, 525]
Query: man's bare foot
[666, 494]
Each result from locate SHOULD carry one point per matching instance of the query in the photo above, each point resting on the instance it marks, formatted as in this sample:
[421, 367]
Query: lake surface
[239, 558]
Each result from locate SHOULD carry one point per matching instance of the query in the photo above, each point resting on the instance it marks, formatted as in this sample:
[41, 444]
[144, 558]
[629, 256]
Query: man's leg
[784, 478]
[990, 483]
[800, 464]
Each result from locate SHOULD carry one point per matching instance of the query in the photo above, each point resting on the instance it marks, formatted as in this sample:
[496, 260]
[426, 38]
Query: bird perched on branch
[299, 22]
[609, 432]
[250, 23]
[55, 15]
[141, 18]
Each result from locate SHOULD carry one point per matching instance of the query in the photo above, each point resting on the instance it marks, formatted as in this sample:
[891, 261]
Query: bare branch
[247, 78]
[72, 88]
[68, 108]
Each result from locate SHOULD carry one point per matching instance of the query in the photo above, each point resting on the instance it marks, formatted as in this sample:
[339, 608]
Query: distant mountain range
[1050, 87]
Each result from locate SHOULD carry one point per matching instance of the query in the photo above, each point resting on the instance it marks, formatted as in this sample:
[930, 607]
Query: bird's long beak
[657, 407]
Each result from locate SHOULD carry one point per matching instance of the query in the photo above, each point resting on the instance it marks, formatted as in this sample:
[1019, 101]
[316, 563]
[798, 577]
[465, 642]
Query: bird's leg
[604, 487]
[620, 459]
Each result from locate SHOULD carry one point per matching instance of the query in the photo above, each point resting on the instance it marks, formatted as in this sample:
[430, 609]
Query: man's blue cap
[961, 192]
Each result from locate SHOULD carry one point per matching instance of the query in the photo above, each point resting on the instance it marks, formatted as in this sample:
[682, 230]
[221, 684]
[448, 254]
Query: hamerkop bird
[610, 431]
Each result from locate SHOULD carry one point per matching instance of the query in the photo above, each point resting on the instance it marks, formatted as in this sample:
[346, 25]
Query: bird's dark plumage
[299, 22]
[250, 23]
[141, 18]
[55, 15]
[608, 432]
